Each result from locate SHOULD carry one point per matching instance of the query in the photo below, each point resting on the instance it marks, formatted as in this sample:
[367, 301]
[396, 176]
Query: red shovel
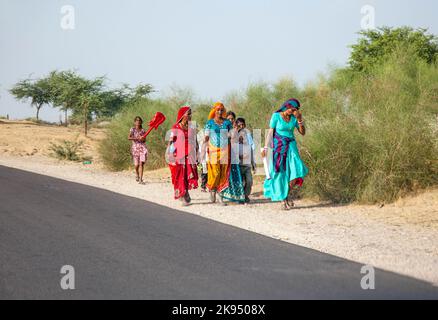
[158, 119]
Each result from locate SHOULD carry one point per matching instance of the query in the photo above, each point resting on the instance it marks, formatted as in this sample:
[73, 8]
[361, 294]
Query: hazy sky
[210, 45]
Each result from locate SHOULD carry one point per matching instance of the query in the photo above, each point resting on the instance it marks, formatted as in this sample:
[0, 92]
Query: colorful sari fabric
[223, 176]
[182, 160]
[280, 153]
[218, 155]
[286, 164]
[235, 190]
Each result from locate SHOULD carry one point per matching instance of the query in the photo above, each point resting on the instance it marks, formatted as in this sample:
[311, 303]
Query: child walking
[246, 156]
[139, 151]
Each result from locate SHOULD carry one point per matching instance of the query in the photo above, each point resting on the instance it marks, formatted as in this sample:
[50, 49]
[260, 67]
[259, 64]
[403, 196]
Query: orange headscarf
[218, 105]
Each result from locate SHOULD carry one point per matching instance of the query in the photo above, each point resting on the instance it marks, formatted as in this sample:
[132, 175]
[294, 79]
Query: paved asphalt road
[122, 247]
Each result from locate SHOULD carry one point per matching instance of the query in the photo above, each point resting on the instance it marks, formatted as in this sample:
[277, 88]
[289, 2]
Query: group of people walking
[226, 153]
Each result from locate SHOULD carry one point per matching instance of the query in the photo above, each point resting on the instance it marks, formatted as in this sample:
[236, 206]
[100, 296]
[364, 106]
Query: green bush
[115, 149]
[200, 114]
[376, 45]
[371, 137]
[68, 150]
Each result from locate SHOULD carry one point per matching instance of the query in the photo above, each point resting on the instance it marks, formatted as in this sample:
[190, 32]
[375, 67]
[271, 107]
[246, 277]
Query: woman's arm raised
[301, 129]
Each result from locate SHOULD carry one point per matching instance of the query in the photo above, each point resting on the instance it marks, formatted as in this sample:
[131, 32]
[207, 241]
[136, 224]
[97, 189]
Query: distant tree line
[84, 98]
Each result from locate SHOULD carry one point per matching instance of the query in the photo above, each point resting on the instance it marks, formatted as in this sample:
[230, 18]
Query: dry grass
[26, 138]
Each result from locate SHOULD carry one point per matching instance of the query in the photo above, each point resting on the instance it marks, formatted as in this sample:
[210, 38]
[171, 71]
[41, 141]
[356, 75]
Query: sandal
[137, 178]
[141, 182]
[292, 195]
[285, 206]
[184, 202]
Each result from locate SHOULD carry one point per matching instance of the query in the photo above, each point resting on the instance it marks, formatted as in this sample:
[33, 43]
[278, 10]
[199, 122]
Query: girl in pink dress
[139, 151]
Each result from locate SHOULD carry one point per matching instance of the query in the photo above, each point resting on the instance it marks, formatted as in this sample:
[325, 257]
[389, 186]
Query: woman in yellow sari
[223, 177]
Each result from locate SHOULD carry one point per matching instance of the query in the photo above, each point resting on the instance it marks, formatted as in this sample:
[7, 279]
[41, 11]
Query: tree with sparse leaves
[82, 96]
[89, 98]
[140, 91]
[37, 90]
[114, 100]
[69, 91]
[64, 92]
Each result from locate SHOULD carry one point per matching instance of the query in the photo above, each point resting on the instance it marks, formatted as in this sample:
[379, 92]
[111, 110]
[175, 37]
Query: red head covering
[182, 111]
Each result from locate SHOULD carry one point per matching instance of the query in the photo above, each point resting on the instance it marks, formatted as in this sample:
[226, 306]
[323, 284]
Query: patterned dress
[139, 151]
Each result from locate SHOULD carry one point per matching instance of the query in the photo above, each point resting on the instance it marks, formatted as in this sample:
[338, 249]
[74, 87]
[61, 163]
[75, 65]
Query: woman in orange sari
[182, 152]
[223, 177]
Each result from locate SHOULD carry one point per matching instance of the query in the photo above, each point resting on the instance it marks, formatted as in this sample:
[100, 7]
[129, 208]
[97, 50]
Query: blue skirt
[277, 188]
[235, 191]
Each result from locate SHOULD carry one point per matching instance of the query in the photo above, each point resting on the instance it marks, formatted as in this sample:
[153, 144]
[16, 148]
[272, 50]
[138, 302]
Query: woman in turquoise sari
[286, 170]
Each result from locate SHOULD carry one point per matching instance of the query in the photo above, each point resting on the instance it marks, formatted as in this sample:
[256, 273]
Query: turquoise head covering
[291, 103]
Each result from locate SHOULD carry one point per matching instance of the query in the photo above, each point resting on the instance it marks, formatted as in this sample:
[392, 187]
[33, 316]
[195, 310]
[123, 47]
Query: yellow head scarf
[218, 105]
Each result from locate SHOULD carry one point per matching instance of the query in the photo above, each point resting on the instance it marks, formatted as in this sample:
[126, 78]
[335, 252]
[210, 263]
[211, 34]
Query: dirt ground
[26, 138]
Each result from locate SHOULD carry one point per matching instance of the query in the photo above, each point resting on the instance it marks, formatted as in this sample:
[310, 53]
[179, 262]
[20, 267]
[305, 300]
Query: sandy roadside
[402, 237]
[25, 138]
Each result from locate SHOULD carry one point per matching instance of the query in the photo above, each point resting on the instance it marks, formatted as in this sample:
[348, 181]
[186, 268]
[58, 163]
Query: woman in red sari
[182, 152]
